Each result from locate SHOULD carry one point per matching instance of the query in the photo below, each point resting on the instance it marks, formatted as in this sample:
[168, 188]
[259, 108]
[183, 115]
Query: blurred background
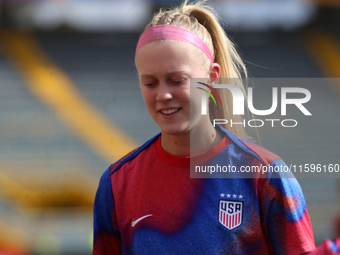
[70, 105]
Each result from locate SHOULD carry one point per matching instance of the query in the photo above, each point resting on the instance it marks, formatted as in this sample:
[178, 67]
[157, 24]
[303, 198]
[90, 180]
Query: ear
[215, 73]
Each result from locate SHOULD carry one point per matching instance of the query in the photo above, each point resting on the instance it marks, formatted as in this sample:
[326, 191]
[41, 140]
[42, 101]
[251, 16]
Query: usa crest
[230, 213]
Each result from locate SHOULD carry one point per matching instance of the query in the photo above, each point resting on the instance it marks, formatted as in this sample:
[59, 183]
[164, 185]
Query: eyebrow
[169, 73]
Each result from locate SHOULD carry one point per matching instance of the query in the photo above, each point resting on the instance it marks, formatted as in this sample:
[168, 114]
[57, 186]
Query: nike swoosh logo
[134, 222]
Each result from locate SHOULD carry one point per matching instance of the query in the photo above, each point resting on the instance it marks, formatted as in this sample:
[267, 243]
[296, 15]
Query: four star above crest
[229, 195]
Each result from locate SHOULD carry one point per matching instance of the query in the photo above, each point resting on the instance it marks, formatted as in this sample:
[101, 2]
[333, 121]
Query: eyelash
[178, 82]
[172, 82]
[149, 84]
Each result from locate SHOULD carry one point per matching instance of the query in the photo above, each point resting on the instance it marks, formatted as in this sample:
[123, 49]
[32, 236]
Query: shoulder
[132, 155]
[265, 156]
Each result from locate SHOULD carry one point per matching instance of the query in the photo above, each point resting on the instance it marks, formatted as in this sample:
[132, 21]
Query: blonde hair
[201, 20]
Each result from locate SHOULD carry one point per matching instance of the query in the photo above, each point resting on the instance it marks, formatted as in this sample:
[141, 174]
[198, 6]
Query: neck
[191, 143]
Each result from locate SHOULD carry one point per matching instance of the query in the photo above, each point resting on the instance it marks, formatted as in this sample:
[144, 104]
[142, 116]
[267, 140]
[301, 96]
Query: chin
[175, 129]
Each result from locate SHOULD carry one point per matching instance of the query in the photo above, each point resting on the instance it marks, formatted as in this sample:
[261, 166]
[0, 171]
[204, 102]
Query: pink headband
[173, 32]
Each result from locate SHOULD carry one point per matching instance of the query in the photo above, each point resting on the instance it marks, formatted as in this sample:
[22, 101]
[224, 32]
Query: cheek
[183, 94]
[195, 98]
[149, 97]
[196, 104]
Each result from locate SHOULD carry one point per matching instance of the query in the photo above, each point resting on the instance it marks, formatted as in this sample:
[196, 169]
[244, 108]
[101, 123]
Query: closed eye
[177, 82]
[149, 84]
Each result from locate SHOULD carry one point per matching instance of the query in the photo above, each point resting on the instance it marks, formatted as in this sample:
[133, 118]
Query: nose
[164, 92]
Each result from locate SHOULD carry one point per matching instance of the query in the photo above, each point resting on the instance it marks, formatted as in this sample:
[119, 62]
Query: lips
[169, 111]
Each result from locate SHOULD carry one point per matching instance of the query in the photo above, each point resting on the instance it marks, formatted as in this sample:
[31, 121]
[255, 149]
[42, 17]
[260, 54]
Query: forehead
[168, 51]
[168, 43]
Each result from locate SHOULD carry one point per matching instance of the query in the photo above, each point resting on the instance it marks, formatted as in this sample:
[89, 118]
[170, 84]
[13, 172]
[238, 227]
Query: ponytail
[201, 20]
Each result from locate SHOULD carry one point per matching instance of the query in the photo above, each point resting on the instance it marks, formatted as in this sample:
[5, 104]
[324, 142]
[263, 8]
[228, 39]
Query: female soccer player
[147, 203]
